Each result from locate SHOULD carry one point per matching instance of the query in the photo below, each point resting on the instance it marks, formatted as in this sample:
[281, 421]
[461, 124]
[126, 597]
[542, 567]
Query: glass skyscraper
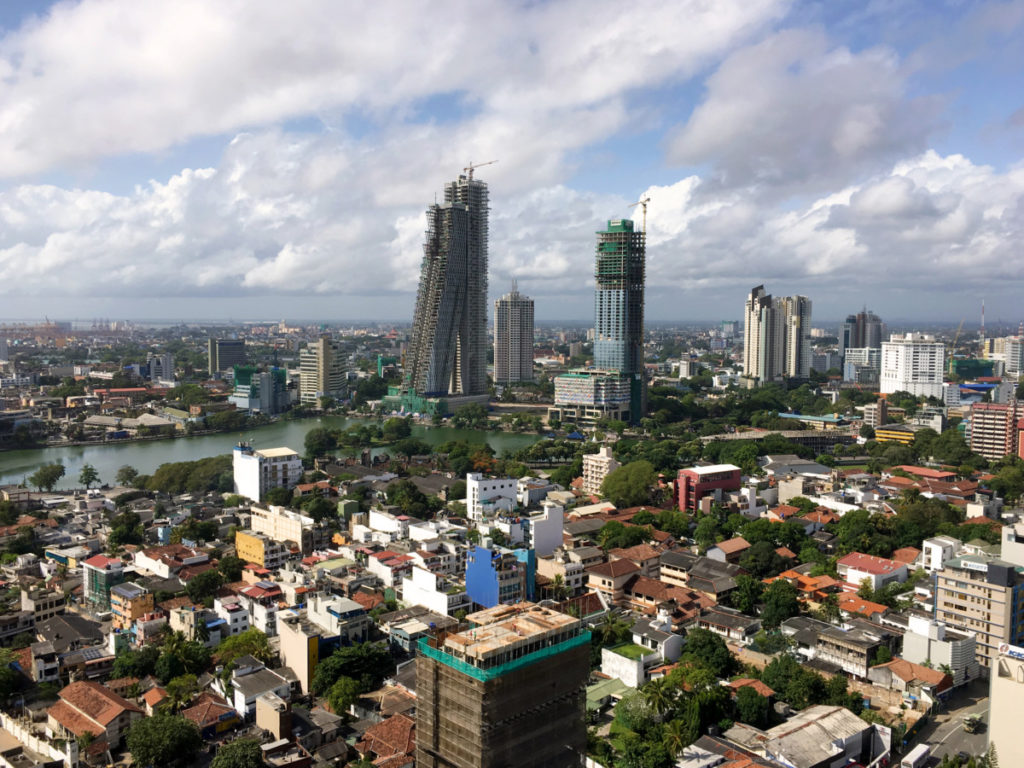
[619, 308]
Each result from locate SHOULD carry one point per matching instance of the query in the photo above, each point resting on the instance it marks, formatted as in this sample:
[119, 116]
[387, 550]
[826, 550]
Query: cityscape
[331, 446]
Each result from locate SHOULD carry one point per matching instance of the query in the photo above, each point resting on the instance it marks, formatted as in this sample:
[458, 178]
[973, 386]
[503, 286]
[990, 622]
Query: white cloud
[106, 77]
[794, 113]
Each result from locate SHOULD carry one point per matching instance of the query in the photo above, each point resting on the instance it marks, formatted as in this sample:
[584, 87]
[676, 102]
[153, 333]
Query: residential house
[918, 684]
[86, 707]
[729, 623]
[728, 551]
[855, 567]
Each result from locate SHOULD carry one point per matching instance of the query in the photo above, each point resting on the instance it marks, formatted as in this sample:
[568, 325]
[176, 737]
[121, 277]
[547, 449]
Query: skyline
[871, 157]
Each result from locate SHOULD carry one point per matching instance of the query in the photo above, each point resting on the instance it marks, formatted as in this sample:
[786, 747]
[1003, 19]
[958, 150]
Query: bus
[916, 757]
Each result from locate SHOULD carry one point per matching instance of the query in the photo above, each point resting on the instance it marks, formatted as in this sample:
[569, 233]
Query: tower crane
[643, 203]
[952, 351]
[471, 167]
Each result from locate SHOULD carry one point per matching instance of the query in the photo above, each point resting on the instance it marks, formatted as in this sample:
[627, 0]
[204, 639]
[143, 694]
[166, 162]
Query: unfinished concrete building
[448, 349]
[509, 693]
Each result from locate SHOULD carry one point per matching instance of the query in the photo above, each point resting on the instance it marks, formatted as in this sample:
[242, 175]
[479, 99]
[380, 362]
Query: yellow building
[259, 549]
[128, 602]
[894, 434]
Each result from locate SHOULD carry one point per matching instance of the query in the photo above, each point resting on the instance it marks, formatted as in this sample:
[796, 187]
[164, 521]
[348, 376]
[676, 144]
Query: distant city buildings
[619, 274]
[777, 337]
[448, 347]
[863, 330]
[260, 391]
[322, 371]
[224, 354]
[914, 363]
[513, 338]
[161, 367]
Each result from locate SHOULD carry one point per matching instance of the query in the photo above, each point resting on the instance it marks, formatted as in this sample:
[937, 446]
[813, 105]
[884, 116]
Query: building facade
[864, 330]
[696, 483]
[596, 467]
[513, 338]
[776, 336]
[224, 354]
[494, 576]
[1006, 691]
[586, 395]
[322, 371]
[99, 575]
[509, 692]
[914, 363]
[256, 472]
[448, 347]
[995, 429]
[984, 596]
[619, 274]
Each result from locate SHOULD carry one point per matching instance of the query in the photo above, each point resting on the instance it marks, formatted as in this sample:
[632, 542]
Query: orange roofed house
[88, 707]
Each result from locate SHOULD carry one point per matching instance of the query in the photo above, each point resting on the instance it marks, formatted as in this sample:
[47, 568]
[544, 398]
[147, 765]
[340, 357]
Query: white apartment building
[386, 522]
[486, 495]
[235, 615]
[937, 551]
[545, 528]
[434, 592]
[258, 471]
[596, 467]
[932, 642]
[282, 524]
[322, 371]
[913, 363]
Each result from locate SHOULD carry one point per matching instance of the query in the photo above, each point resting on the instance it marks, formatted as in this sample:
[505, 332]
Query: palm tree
[558, 587]
[202, 631]
[659, 695]
[674, 737]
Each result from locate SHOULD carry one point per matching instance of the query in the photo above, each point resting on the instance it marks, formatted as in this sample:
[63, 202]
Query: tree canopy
[163, 739]
[630, 484]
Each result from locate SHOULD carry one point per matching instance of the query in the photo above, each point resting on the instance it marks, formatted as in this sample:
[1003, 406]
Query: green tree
[88, 476]
[395, 429]
[630, 484]
[707, 649]
[368, 663]
[320, 441]
[243, 753]
[751, 707]
[882, 656]
[706, 532]
[126, 528]
[280, 497]
[126, 475]
[46, 477]
[231, 568]
[132, 663]
[163, 739]
[251, 642]
[747, 594]
[761, 560]
[781, 601]
[204, 585]
[180, 692]
[343, 694]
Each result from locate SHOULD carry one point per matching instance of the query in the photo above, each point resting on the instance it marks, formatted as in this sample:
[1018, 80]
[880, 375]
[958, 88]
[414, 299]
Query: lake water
[15, 466]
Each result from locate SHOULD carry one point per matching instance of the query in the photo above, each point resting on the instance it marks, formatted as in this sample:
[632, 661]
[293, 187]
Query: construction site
[509, 691]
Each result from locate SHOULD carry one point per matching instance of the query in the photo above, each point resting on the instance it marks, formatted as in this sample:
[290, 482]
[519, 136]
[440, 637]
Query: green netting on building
[484, 675]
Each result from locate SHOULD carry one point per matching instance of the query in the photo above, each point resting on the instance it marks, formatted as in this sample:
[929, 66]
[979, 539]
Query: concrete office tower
[161, 367]
[619, 273]
[322, 371]
[913, 363]
[776, 336]
[448, 349]
[224, 355]
[513, 338]
[510, 692]
[865, 329]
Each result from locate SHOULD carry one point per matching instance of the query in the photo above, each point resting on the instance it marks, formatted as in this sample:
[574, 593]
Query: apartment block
[697, 483]
[586, 395]
[513, 338]
[287, 526]
[128, 602]
[258, 471]
[261, 550]
[932, 642]
[994, 431]
[508, 692]
[596, 467]
[984, 596]
[913, 363]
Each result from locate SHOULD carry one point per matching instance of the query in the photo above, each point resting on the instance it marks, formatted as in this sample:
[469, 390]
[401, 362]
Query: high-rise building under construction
[508, 693]
[619, 273]
[448, 348]
[513, 338]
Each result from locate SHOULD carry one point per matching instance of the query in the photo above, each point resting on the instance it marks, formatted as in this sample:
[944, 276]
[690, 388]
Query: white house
[545, 528]
[434, 592]
[489, 495]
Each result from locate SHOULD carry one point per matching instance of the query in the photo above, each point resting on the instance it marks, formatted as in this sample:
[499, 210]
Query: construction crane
[643, 203]
[471, 167]
[952, 351]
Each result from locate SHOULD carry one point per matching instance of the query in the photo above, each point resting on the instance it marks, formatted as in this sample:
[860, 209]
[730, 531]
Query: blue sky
[261, 160]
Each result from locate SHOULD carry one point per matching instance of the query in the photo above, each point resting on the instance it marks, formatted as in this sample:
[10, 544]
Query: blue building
[500, 576]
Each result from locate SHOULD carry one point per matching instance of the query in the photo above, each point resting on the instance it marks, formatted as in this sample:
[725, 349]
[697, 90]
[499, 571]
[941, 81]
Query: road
[945, 733]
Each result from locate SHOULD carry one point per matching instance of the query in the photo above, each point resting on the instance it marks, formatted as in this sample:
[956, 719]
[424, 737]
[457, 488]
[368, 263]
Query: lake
[146, 456]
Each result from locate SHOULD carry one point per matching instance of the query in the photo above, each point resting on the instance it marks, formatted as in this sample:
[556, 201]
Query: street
[945, 732]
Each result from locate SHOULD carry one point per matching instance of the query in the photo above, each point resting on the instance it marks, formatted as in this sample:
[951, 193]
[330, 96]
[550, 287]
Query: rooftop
[879, 566]
[713, 469]
[507, 626]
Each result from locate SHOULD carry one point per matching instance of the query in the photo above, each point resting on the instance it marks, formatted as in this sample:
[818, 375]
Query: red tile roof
[906, 555]
[853, 604]
[749, 682]
[908, 671]
[614, 569]
[731, 546]
[88, 706]
[394, 736]
[877, 566]
[638, 554]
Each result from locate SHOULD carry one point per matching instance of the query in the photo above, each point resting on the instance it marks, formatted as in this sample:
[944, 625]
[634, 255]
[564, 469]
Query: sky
[253, 159]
